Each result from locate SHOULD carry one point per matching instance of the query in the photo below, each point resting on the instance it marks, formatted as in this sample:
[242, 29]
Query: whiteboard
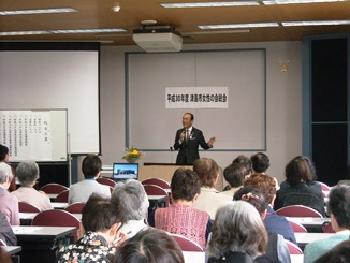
[241, 126]
[56, 79]
[38, 135]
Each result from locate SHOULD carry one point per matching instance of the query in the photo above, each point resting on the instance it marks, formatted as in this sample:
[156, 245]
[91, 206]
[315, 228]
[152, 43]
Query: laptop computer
[124, 171]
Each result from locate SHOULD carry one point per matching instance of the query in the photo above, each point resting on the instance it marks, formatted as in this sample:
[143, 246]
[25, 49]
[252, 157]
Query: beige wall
[284, 105]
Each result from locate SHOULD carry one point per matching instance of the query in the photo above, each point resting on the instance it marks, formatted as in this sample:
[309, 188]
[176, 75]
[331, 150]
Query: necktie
[187, 135]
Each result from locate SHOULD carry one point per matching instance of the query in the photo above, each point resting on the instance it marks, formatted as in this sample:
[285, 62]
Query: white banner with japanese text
[196, 97]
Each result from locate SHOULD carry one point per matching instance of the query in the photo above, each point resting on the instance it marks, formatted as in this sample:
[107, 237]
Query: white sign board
[196, 97]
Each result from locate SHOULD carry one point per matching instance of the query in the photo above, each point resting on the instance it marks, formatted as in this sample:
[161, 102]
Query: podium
[163, 171]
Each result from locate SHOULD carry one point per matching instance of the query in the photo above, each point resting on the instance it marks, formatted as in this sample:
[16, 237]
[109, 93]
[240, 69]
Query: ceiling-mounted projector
[157, 39]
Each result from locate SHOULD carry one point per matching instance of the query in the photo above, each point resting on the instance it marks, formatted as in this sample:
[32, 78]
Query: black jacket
[189, 151]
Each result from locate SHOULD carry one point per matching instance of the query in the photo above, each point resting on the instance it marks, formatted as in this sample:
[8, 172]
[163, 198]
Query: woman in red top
[181, 218]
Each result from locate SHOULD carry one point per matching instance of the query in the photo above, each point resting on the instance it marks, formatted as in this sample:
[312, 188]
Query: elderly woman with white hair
[8, 202]
[238, 234]
[27, 174]
[132, 205]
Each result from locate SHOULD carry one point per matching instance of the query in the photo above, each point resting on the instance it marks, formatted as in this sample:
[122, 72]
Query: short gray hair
[130, 200]
[5, 172]
[27, 172]
[238, 227]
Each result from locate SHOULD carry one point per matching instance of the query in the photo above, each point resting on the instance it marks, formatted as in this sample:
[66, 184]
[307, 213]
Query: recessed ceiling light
[97, 30]
[37, 11]
[316, 23]
[116, 8]
[209, 4]
[234, 26]
[273, 2]
[16, 33]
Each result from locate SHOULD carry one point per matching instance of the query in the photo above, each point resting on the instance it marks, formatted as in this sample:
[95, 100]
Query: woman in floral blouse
[101, 223]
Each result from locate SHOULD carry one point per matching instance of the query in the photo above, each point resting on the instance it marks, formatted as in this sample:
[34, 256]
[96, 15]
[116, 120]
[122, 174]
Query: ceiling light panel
[237, 26]
[37, 11]
[209, 4]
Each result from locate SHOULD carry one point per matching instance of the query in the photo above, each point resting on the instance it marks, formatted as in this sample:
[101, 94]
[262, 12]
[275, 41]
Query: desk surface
[46, 231]
[52, 196]
[12, 250]
[309, 221]
[191, 256]
[59, 205]
[306, 238]
[30, 216]
[297, 258]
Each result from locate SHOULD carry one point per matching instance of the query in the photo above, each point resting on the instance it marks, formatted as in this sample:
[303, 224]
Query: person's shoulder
[196, 130]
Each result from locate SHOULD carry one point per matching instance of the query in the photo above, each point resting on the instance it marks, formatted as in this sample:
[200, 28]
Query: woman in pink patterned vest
[181, 218]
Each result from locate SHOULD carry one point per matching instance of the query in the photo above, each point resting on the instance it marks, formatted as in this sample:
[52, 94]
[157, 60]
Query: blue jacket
[279, 225]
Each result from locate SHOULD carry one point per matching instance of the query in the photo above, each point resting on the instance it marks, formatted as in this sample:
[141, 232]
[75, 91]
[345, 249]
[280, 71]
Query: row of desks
[43, 238]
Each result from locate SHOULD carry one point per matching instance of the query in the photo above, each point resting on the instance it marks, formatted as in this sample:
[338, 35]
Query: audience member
[209, 199]
[277, 248]
[301, 187]
[6, 233]
[339, 254]
[181, 218]
[234, 174]
[260, 163]
[131, 202]
[81, 191]
[238, 235]
[27, 174]
[273, 222]
[8, 202]
[339, 207]
[5, 159]
[244, 160]
[101, 223]
[151, 246]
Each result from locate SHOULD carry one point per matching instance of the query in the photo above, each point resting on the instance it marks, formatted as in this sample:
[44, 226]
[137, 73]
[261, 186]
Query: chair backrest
[53, 188]
[325, 187]
[186, 244]
[293, 249]
[156, 181]
[24, 207]
[297, 228]
[63, 197]
[55, 217]
[327, 227]
[154, 190]
[298, 211]
[106, 181]
[75, 208]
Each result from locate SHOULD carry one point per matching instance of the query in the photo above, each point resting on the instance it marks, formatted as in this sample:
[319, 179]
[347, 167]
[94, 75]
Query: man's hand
[182, 137]
[211, 142]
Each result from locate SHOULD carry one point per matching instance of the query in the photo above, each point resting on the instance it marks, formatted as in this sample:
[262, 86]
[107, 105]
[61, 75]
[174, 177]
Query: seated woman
[273, 222]
[181, 218]
[277, 248]
[6, 234]
[27, 174]
[234, 174]
[338, 254]
[209, 199]
[238, 235]
[301, 187]
[339, 206]
[152, 246]
[8, 202]
[131, 202]
[101, 224]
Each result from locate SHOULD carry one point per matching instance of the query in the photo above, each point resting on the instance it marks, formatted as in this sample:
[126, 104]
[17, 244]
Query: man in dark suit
[187, 141]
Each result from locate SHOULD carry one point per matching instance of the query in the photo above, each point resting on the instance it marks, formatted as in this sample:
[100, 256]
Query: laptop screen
[125, 171]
